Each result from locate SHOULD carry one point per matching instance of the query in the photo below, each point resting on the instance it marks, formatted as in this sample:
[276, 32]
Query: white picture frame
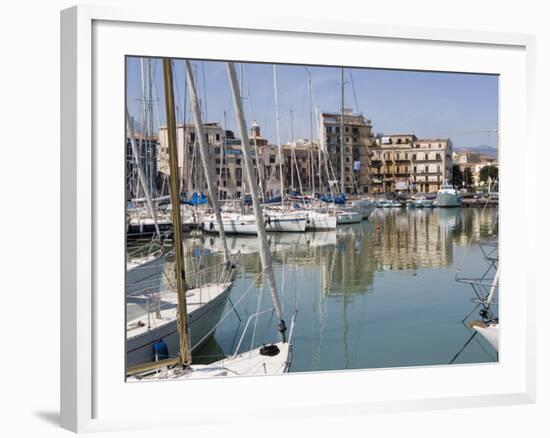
[91, 395]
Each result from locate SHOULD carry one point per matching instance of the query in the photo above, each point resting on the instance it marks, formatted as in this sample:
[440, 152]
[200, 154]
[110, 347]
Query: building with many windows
[358, 139]
[403, 162]
[225, 159]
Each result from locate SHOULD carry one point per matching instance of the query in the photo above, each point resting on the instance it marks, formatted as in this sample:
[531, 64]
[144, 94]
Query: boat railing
[249, 320]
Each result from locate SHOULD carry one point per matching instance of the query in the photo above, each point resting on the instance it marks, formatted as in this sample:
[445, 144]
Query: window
[414, 169]
[347, 139]
[426, 169]
[192, 137]
[239, 173]
[272, 159]
[329, 129]
[347, 129]
[355, 130]
[337, 129]
[217, 170]
[217, 151]
[218, 161]
[347, 158]
[438, 156]
[355, 139]
[398, 141]
[414, 158]
[217, 137]
[238, 161]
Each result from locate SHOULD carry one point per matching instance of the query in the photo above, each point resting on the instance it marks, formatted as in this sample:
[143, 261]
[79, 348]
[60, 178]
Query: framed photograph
[307, 217]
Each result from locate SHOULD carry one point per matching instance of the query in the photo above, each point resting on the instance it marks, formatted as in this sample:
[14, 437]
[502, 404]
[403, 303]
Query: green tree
[486, 172]
[468, 177]
[458, 176]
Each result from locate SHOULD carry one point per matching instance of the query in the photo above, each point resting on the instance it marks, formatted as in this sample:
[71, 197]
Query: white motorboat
[447, 196]
[153, 317]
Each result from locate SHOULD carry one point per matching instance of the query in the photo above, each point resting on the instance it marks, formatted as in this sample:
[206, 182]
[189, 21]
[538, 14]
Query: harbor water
[378, 294]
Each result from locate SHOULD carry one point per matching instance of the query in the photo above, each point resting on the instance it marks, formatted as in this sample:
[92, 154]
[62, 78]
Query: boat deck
[166, 302]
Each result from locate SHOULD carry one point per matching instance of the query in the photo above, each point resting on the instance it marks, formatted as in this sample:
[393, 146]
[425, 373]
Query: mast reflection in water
[381, 293]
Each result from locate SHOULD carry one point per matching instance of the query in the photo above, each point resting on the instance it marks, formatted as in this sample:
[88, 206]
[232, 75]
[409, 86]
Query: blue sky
[428, 104]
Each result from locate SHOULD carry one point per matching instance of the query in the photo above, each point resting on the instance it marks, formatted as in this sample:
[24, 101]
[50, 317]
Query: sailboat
[490, 330]
[272, 358]
[485, 291]
[152, 314]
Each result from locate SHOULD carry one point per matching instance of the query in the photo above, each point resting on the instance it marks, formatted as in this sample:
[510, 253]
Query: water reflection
[376, 294]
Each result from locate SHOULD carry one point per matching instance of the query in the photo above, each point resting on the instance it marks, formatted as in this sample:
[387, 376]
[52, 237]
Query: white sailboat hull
[286, 224]
[144, 275]
[250, 363]
[321, 221]
[205, 307]
[246, 224]
[489, 331]
[233, 226]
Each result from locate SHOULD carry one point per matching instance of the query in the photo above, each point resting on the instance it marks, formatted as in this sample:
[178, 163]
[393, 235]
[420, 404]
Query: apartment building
[403, 162]
[357, 138]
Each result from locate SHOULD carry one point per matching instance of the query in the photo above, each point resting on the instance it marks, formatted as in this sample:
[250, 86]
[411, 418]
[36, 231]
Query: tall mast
[141, 176]
[203, 147]
[265, 254]
[310, 95]
[185, 350]
[342, 177]
[293, 156]
[185, 152]
[278, 135]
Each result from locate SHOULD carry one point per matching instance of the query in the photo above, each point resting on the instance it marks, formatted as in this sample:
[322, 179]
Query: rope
[463, 347]
[226, 315]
